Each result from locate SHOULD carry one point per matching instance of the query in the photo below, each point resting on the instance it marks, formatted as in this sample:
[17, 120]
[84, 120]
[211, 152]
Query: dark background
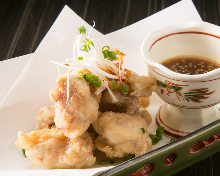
[23, 24]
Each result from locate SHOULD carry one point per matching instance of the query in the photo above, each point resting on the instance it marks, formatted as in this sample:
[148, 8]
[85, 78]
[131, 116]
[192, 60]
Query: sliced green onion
[173, 139]
[23, 151]
[125, 88]
[81, 74]
[105, 48]
[93, 80]
[81, 30]
[86, 47]
[107, 161]
[143, 130]
[115, 84]
[110, 55]
[156, 138]
[129, 156]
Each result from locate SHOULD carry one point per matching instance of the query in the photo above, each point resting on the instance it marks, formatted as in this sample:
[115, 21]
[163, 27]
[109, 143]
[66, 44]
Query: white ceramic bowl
[195, 38]
[181, 90]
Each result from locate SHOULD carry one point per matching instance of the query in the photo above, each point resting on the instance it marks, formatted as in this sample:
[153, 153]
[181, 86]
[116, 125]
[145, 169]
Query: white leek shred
[100, 89]
[110, 92]
[94, 61]
[106, 74]
[119, 70]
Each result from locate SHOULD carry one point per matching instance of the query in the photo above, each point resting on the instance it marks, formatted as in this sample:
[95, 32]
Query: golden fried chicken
[121, 134]
[74, 113]
[125, 103]
[45, 117]
[147, 117]
[141, 86]
[97, 90]
[51, 149]
[140, 90]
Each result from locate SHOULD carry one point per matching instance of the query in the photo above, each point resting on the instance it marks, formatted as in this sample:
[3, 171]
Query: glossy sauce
[190, 65]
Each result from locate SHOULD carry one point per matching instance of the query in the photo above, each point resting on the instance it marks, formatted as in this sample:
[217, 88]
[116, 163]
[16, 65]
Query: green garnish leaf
[81, 74]
[125, 88]
[93, 80]
[103, 162]
[115, 84]
[153, 139]
[107, 161]
[105, 48]
[80, 58]
[112, 161]
[81, 30]
[159, 131]
[86, 47]
[173, 139]
[156, 138]
[129, 156]
[23, 151]
[117, 52]
[110, 55]
[143, 130]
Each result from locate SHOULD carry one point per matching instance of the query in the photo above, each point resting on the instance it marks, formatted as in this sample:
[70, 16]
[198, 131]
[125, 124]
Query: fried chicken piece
[141, 86]
[122, 134]
[137, 147]
[144, 101]
[140, 90]
[74, 114]
[45, 117]
[125, 104]
[51, 149]
[147, 117]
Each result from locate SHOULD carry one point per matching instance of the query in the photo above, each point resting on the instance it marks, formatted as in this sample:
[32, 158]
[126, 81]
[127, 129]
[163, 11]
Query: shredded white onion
[92, 60]
[106, 74]
[91, 28]
[110, 92]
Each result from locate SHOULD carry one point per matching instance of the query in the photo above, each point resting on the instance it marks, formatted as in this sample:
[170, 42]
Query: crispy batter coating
[75, 114]
[125, 104]
[121, 134]
[63, 138]
[140, 90]
[51, 149]
[147, 117]
[137, 147]
[144, 101]
[141, 86]
[45, 117]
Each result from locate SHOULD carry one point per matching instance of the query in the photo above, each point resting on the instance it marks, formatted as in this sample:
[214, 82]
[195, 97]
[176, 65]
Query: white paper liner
[29, 92]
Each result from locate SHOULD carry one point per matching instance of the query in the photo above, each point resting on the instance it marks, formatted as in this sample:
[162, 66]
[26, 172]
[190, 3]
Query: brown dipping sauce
[190, 65]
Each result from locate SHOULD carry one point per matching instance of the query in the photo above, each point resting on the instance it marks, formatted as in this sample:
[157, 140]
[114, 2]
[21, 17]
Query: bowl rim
[184, 27]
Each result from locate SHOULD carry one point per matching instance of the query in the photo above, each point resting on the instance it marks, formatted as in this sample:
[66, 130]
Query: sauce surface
[190, 65]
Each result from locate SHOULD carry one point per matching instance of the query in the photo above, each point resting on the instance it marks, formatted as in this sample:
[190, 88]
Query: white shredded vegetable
[92, 59]
[110, 92]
